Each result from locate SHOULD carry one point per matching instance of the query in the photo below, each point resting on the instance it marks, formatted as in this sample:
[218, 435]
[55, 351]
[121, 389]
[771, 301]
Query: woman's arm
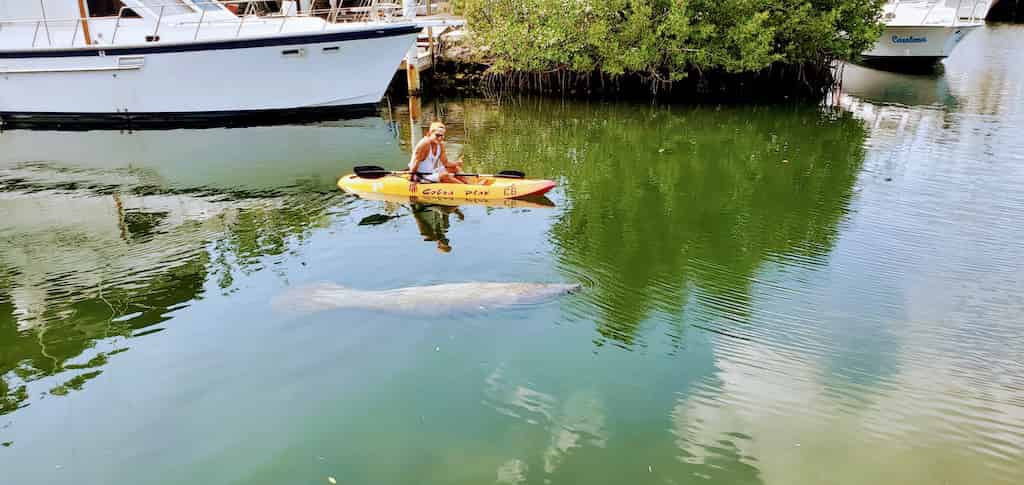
[453, 167]
[419, 153]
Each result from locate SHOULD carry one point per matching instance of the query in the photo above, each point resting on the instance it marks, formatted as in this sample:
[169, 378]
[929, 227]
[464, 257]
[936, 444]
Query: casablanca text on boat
[165, 58]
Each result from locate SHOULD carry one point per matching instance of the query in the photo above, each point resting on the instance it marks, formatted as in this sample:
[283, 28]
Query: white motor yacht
[925, 31]
[81, 60]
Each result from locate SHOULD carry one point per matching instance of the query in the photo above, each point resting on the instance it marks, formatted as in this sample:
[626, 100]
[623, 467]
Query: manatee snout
[562, 289]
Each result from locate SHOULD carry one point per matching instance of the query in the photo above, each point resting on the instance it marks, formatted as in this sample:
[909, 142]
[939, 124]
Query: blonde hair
[436, 126]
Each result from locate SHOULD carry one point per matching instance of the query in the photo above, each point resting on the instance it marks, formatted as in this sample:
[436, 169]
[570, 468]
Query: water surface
[773, 295]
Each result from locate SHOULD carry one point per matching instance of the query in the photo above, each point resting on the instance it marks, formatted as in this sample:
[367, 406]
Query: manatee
[470, 297]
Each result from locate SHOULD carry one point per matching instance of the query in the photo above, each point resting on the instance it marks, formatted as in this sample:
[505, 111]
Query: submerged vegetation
[726, 46]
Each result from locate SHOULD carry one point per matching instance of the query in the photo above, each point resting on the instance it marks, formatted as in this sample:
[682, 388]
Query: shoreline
[451, 76]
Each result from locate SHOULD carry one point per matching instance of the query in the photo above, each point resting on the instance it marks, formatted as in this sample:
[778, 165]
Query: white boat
[169, 59]
[924, 31]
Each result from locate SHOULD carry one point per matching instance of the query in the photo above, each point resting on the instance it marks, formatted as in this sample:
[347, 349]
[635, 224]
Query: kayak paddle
[374, 172]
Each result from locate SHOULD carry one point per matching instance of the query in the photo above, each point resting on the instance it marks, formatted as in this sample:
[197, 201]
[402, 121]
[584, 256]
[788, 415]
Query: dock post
[412, 76]
[430, 36]
[415, 114]
[412, 73]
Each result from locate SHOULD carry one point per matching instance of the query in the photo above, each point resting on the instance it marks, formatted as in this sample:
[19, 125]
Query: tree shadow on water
[671, 208]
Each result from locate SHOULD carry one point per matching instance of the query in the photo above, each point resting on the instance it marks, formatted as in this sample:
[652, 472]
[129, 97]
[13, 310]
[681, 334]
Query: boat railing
[381, 13]
[242, 13]
[45, 28]
[973, 16]
[949, 12]
[978, 10]
[374, 11]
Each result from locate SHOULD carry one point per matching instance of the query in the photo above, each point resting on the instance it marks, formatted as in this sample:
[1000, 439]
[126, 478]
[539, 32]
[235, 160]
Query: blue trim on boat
[224, 44]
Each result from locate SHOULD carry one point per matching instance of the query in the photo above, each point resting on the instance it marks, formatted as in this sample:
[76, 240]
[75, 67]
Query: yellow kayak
[479, 188]
[536, 202]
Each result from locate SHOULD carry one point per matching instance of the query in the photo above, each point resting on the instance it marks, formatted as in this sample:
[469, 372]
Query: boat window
[170, 7]
[207, 4]
[104, 8]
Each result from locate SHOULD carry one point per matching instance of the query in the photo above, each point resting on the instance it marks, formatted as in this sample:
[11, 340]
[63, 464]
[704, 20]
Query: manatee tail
[314, 298]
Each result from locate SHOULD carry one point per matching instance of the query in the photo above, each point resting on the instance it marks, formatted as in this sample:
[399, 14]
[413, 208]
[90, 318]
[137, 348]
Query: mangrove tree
[708, 47]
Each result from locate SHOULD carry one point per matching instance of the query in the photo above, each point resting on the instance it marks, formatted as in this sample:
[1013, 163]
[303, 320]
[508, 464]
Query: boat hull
[163, 121]
[482, 188]
[532, 202]
[210, 79]
[917, 44]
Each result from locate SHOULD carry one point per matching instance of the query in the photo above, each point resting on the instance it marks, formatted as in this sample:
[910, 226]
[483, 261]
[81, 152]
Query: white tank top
[431, 163]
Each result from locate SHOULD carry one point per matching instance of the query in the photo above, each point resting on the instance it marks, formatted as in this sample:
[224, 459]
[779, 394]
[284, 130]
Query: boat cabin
[42, 24]
[64, 9]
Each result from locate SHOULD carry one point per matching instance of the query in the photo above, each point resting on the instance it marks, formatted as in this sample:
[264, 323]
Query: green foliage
[667, 38]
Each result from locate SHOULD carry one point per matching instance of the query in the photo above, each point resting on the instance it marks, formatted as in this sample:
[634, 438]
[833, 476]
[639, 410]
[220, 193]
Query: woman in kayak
[429, 160]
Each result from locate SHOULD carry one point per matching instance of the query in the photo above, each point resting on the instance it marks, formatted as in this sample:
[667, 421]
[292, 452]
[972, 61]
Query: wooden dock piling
[412, 72]
[421, 56]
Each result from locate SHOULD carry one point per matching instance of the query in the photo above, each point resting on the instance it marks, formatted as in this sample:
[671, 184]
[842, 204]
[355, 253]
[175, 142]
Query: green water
[781, 295]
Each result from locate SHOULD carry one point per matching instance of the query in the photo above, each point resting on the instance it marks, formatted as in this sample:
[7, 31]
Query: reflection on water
[433, 215]
[773, 295]
[433, 223]
[914, 353]
[671, 205]
[577, 422]
[258, 158]
[107, 234]
[878, 86]
[128, 258]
